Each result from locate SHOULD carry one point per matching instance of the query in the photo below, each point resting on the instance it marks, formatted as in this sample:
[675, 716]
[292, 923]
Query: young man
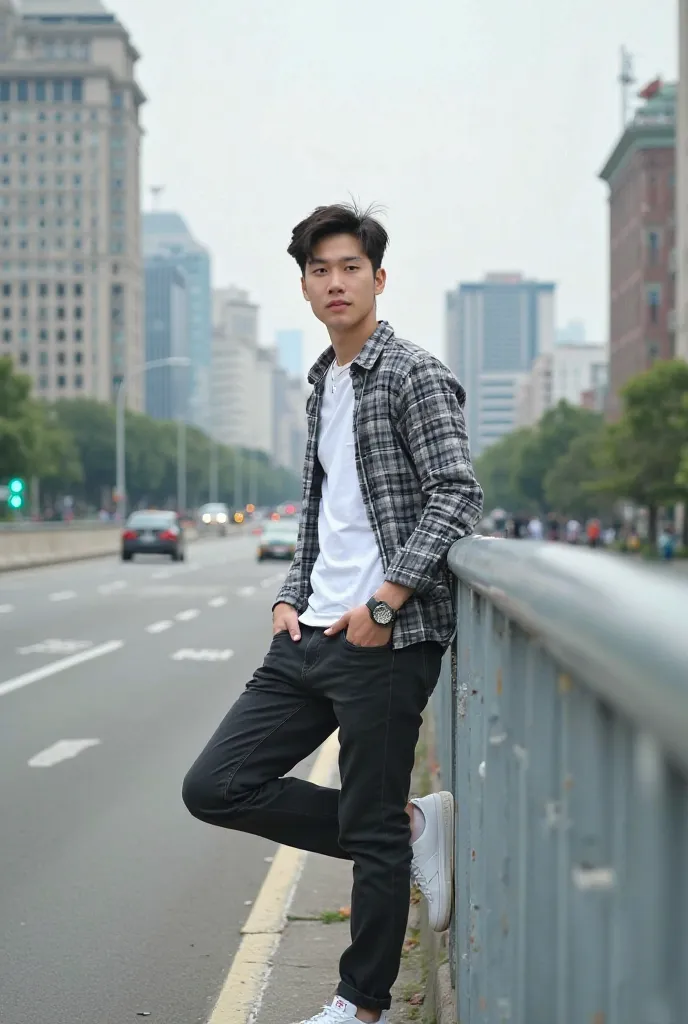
[363, 618]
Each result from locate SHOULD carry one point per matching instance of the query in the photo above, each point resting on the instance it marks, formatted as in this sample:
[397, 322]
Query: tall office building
[495, 330]
[640, 173]
[71, 304]
[168, 388]
[290, 351]
[166, 235]
[234, 379]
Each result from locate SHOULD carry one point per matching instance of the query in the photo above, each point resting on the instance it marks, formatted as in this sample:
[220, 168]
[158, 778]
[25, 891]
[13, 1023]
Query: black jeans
[300, 695]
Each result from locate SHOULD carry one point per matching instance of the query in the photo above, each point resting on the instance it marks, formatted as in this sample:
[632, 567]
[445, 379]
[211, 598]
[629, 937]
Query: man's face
[340, 284]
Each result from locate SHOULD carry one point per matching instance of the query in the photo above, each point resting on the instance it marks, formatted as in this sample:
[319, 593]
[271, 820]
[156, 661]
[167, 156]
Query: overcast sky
[480, 125]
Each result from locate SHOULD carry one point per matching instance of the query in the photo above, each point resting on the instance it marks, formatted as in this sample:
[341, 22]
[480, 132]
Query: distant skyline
[485, 156]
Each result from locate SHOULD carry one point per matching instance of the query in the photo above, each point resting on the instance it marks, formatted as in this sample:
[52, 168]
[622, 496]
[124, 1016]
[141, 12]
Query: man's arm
[433, 427]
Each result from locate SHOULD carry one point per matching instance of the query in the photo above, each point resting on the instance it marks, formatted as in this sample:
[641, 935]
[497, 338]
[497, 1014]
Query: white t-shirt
[573, 530]
[348, 569]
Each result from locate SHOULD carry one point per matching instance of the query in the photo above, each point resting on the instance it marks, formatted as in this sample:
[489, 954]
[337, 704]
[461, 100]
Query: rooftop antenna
[626, 80]
[156, 191]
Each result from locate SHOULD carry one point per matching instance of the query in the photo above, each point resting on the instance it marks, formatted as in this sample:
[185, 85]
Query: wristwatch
[381, 613]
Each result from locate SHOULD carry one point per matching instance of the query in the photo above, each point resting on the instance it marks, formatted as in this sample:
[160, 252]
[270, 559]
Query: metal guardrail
[561, 726]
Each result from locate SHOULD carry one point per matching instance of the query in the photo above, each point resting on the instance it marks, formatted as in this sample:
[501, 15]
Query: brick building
[640, 176]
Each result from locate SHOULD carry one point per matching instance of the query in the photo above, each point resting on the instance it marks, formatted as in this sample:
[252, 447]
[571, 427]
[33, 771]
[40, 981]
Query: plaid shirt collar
[366, 358]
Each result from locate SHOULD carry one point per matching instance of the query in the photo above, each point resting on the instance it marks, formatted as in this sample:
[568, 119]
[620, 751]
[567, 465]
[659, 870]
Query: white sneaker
[433, 857]
[338, 1012]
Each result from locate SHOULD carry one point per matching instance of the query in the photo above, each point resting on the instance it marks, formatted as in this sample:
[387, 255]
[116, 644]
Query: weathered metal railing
[562, 728]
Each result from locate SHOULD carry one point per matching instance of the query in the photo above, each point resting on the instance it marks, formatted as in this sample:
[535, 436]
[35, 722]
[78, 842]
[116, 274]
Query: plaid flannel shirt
[415, 473]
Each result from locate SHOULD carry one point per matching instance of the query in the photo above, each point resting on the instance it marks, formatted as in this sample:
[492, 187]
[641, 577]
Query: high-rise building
[234, 367]
[71, 313]
[680, 257]
[496, 328]
[167, 387]
[640, 174]
[564, 374]
[290, 351]
[167, 235]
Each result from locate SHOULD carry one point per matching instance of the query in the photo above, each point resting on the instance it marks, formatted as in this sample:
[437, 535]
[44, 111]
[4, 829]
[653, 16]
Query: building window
[43, 334]
[22, 90]
[654, 301]
[117, 100]
[24, 358]
[43, 290]
[78, 312]
[43, 382]
[77, 90]
[653, 247]
[61, 358]
[42, 358]
[78, 381]
[24, 289]
[7, 289]
[78, 335]
[4, 92]
[60, 290]
[78, 358]
[61, 335]
[60, 312]
[61, 381]
[7, 313]
[40, 95]
[58, 91]
[7, 336]
[78, 290]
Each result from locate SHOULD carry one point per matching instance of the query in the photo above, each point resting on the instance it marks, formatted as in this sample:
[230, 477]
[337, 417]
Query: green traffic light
[16, 486]
[15, 501]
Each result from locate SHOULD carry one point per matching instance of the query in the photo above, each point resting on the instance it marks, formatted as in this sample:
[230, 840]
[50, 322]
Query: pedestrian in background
[363, 619]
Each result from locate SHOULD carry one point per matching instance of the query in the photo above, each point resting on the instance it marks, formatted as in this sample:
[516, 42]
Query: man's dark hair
[339, 219]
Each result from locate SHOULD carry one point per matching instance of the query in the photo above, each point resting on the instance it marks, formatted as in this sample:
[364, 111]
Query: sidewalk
[305, 968]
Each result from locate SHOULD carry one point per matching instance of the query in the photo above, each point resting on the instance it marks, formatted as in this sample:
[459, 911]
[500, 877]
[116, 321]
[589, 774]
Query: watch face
[383, 615]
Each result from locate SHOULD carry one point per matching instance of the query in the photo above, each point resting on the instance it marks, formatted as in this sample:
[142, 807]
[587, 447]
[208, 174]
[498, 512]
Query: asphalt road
[114, 902]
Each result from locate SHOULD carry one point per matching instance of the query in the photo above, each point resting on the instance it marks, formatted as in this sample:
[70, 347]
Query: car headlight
[221, 517]
[206, 518]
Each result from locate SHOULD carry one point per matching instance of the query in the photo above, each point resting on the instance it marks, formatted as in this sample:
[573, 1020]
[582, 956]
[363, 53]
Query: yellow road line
[245, 984]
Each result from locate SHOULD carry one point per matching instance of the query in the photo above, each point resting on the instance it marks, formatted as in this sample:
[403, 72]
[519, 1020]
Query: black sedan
[153, 533]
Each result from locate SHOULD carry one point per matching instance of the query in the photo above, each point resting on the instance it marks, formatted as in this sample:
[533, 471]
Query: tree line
[69, 446]
[573, 463]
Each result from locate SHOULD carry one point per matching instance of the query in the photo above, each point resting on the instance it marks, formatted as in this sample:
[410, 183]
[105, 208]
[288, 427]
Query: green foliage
[70, 447]
[642, 457]
[548, 443]
[151, 468]
[495, 470]
[31, 442]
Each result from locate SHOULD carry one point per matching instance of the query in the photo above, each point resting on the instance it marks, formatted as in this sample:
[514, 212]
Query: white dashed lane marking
[60, 751]
[62, 595]
[188, 615]
[111, 588]
[6, 608]
[217, 602]
[159, 627]
[204, 654]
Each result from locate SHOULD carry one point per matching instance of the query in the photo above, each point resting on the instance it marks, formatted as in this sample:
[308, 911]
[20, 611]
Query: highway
[114, 902]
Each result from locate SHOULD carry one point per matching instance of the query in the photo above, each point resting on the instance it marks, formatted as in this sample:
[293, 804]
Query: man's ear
[380, 281]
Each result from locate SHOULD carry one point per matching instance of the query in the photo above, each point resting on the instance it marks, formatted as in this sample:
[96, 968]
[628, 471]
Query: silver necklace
[335, 379]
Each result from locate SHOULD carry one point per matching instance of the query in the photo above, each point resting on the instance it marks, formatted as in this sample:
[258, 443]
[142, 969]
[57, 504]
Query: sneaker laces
[419, 880]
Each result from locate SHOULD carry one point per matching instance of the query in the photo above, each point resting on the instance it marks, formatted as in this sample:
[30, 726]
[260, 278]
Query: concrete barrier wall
[36, 545]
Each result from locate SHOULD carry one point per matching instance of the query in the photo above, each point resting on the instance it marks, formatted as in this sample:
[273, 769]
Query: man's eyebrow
[342, 259]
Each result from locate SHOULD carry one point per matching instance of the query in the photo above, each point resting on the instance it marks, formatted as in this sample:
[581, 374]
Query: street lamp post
[120, 434]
